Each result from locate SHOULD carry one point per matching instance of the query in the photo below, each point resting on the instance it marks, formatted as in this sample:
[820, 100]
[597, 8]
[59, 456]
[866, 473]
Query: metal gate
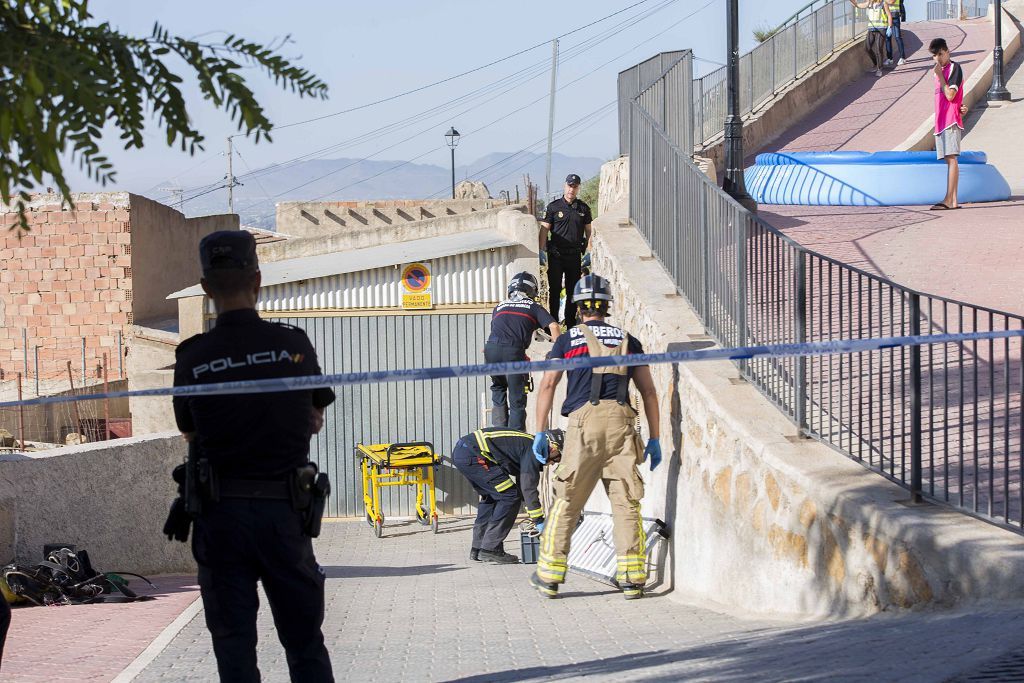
[439, 411]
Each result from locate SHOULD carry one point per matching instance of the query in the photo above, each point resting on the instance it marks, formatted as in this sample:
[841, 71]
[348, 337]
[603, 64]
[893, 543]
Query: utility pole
[231, 179]
[733, 182]
[551, 117]
[998, 92]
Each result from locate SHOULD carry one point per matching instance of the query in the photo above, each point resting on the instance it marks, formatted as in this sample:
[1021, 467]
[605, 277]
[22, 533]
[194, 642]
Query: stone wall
[767, 522]
[108, 498]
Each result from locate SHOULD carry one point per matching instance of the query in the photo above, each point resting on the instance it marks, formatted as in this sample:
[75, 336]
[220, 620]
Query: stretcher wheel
[434, 524]
[422, 516]
[369, 519]
[378, 528]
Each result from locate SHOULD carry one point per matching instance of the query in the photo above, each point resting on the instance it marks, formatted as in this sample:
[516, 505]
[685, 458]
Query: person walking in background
[894, 32]
[949, 121]
[879, 21]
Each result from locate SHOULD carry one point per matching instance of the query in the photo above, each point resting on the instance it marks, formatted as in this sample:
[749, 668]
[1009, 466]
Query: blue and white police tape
[308, 382]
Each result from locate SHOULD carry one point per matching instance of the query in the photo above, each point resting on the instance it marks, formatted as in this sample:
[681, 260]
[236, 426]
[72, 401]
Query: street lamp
[733, 182]
[451, 138]
[998, 92]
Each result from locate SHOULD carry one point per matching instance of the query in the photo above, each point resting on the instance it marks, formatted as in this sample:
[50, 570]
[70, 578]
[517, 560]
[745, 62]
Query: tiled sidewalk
[410, 606]
[91, 642]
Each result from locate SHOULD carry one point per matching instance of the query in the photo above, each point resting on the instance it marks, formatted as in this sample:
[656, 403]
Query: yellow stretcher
[398, 464]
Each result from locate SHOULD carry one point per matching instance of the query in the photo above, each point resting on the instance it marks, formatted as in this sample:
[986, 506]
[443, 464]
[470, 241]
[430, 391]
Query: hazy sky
[366, 51]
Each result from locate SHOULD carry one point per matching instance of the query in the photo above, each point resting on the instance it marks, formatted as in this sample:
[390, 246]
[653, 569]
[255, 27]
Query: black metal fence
[942, 420]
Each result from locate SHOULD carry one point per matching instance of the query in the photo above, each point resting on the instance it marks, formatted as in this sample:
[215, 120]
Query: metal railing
[941, 420]
[797, 46]
[664, 82]
[950, 9]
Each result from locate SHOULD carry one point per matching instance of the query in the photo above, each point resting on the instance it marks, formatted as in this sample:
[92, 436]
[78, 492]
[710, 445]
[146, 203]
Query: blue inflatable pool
[870, 179]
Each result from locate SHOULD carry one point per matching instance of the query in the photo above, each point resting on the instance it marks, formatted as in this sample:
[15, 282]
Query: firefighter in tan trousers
[601, 443]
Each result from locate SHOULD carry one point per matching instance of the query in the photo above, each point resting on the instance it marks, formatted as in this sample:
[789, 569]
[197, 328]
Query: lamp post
[998, 92]
[733, 182]
[451, 138]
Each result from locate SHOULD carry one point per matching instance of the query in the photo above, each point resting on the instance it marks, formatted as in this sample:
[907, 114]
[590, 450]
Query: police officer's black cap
[572, 179]
[228, 250]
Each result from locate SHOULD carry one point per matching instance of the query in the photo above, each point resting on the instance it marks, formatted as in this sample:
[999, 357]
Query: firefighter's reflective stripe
[550, 568]
[504, 485]
[535, 514]
[482, 437]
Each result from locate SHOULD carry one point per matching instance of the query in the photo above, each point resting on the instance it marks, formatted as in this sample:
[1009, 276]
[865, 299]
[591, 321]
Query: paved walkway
[973, 254]
[91, 642]
[875, 114]
[410, 607]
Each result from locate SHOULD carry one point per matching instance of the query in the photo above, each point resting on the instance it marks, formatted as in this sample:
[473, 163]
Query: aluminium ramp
[593, 550]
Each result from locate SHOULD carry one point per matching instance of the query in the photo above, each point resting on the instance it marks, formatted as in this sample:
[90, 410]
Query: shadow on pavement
[757, 655]
[369, 571]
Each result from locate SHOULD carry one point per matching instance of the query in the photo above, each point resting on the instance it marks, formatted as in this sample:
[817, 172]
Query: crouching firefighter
[601, 443]
[490, 458]
[512, 326]
[248, 488]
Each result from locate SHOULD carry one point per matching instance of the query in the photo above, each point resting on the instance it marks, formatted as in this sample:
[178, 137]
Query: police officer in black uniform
[569, 221]
[252, 526]
[512, 326]
[490, 458]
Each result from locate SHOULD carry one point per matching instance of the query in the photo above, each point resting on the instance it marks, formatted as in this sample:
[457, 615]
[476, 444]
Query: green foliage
[589, 192]
[63, 78]
[764, 33]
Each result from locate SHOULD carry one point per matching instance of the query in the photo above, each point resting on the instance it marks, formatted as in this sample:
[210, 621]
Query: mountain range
[357, 179]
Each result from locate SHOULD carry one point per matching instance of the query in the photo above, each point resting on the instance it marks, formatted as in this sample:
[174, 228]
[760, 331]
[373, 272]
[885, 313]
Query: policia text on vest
[248, 488]
[601, 443]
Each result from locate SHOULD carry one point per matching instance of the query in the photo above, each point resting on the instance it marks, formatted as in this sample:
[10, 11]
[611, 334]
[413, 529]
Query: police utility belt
[598, 350]
[199, 484]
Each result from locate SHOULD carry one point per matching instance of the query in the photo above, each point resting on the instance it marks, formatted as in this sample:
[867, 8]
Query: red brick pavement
[91, 642]
[876, 114]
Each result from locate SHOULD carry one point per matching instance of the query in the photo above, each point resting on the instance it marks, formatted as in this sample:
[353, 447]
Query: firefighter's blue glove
[585, 263]
[653, 451]
[540, 447]
[543, 256]
[540, 526]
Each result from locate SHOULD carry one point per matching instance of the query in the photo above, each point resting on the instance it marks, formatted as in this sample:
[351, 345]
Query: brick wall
[69, 277]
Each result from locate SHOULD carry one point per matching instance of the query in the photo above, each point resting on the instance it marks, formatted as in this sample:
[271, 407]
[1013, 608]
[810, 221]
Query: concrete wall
[309, 219]
[362, 236]
[796, 101]
[769, 523]
[150, 366]
[165, 254]
[108, 498]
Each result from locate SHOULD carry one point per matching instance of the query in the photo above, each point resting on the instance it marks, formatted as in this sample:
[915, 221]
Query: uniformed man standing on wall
[489, 458]
[253, 448]
[565, 252]
[512, 326]
[601, 443]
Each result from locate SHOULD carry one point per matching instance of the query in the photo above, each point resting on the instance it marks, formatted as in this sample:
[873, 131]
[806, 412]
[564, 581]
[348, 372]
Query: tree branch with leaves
[64, 77]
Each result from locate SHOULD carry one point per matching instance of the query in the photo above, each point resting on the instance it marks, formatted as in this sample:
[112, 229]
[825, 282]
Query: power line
[460, 75]
[524, 76]
[572, 52]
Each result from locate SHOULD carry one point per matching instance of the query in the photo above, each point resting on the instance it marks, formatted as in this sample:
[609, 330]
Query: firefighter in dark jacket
[568, 220]
[490, 458]
[512, 326]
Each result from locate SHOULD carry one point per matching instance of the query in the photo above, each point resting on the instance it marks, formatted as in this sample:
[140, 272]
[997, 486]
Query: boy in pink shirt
[949, 122]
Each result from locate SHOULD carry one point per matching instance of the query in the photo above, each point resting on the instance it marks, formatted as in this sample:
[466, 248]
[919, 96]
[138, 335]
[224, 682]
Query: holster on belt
[310, 490]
